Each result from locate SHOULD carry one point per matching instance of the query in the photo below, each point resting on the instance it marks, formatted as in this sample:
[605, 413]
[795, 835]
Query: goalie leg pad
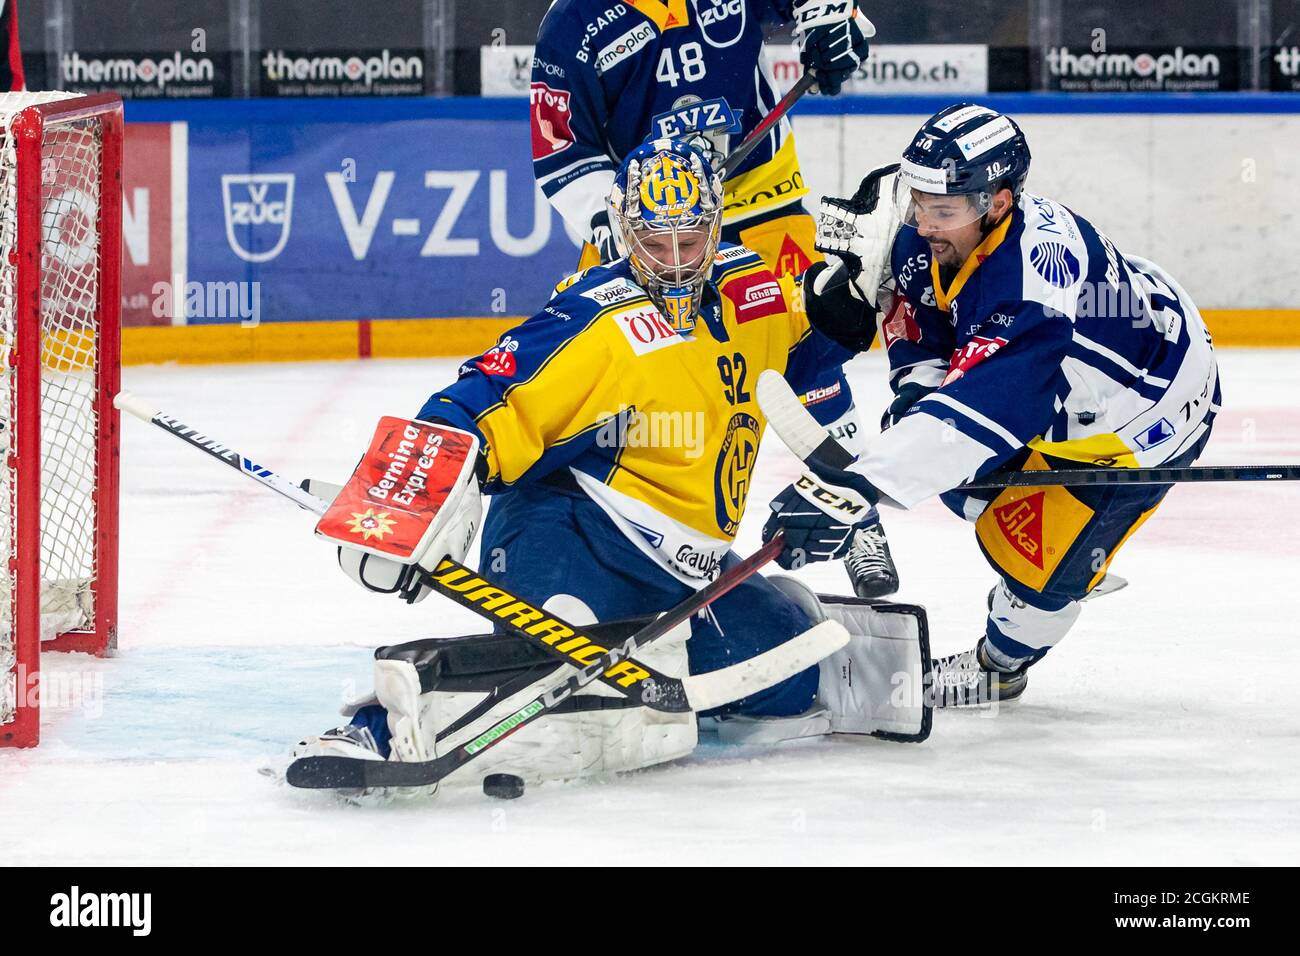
[443, 693]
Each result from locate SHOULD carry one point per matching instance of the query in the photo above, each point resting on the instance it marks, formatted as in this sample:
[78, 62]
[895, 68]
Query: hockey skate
[970, 679]
[870, 565]
[352, 740]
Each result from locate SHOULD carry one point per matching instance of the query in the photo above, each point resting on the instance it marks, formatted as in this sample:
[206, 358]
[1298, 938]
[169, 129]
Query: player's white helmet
[666, 209]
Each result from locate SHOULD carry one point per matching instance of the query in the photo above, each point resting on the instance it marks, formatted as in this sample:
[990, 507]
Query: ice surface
[1164, 729]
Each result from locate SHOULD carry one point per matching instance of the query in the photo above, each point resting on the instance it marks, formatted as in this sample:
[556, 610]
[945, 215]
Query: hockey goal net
[60, 302]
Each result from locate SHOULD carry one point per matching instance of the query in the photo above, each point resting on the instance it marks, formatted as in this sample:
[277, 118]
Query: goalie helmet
[964, 150]
[666, 210]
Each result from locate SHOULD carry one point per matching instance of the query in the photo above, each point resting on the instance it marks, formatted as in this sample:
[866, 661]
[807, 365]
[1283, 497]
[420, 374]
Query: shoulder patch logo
[901, 326]
[733, 253]
[1055, 263]
[971, 354]
[754, 296]
[613, 292]
[551, 132]
[500, 359]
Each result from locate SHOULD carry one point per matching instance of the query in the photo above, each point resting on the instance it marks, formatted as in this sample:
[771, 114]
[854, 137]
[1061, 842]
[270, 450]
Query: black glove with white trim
[832, 36]
[820, 513]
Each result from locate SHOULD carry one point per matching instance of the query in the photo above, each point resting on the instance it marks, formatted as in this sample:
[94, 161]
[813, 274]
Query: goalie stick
[654, 690]
[802, 434]
[332, 773]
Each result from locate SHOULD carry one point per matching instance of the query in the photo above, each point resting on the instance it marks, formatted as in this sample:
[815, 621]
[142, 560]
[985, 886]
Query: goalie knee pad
[442, 693]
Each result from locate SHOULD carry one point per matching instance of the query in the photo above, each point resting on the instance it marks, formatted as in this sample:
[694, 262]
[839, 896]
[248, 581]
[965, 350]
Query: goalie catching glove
[857, 236]
[820, 513]
[412, 501]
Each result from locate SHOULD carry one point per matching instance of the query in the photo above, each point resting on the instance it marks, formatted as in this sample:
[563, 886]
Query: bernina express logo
[259, 210]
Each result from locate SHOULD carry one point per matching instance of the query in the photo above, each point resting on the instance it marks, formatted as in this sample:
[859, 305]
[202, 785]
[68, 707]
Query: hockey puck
[503, 786]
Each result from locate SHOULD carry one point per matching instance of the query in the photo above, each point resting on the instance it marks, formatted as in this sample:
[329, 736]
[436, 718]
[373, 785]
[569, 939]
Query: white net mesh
[70, 271]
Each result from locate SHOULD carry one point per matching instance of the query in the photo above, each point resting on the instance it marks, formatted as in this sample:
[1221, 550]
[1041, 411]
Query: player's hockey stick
[457, 582]
[349, 773]
[802, 434]
[750, 142]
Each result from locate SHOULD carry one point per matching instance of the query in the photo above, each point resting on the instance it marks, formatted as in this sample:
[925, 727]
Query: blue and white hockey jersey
[1048, 338]
[606, 75]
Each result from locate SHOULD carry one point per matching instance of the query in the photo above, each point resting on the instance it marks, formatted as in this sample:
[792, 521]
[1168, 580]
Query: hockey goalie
[615, 434]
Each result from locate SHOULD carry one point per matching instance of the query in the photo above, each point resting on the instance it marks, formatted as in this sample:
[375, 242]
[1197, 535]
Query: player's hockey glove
[857, 234]
[833, 40]
[412, 501]
[820, 513]
[602, 237]
[908, 395]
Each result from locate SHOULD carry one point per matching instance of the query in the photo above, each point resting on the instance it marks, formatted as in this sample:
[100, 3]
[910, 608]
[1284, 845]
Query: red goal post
[60, 309]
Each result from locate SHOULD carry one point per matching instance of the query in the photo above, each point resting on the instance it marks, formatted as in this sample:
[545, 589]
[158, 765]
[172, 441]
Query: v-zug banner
[407, 219]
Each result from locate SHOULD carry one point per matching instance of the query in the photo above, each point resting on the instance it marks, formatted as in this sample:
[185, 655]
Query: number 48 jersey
[607, 76]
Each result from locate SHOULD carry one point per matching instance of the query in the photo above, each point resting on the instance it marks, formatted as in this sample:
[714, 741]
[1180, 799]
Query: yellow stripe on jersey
[775, 183]
[1107, 450]
[985, 249]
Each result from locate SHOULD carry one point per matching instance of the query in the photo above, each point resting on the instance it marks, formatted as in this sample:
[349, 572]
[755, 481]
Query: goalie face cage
[60, 304]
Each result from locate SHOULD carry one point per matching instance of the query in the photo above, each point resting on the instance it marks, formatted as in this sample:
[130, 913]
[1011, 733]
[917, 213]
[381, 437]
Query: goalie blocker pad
[879, 684]
[895, 672]
[408, 491]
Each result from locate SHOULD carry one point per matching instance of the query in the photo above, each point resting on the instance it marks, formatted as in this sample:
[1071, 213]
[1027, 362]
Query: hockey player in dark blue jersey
[608, 75]
[1019, 337]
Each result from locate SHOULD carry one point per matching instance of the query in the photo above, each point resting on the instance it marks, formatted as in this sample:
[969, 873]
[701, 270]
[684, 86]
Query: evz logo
[253, 201]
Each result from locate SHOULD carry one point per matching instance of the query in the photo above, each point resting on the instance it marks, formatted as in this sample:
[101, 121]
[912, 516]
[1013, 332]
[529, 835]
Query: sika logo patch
[646, 330]
[551, 115]
[1021, 523]
[754, 296]
[971, 354]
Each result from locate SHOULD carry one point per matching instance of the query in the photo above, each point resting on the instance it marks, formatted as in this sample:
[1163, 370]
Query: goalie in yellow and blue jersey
[618, 432]
[608, 76]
